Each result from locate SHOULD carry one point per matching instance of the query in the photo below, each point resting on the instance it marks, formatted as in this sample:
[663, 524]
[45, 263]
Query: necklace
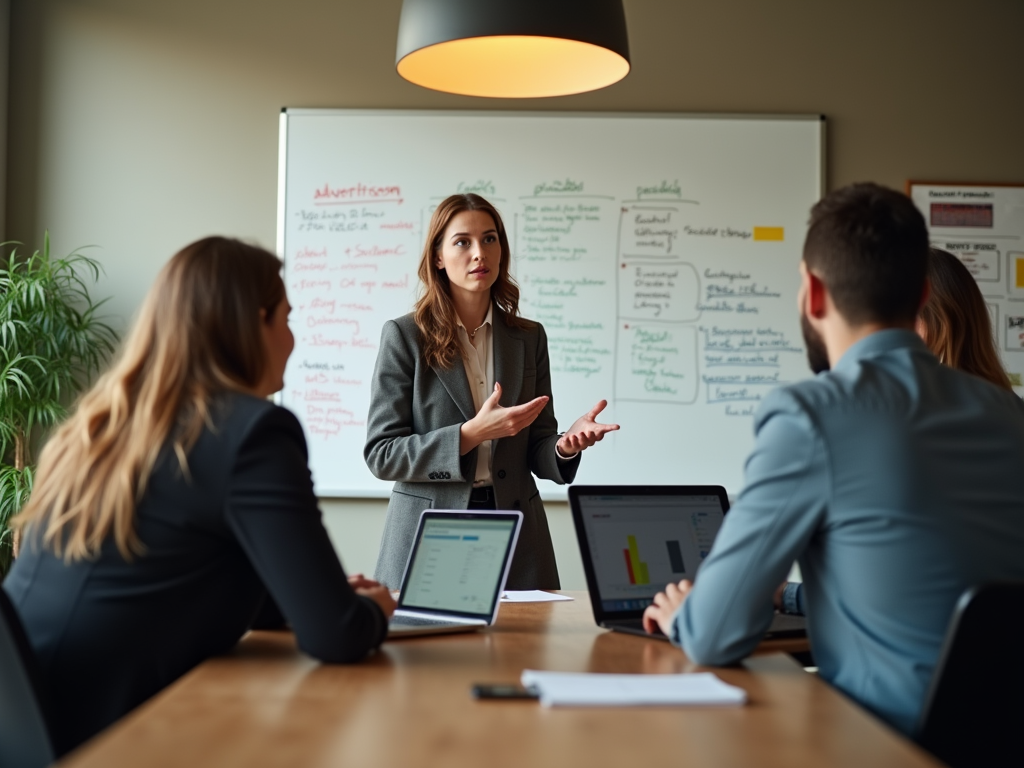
[472, 334]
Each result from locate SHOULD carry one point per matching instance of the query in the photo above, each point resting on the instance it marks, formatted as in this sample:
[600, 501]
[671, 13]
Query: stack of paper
[570, 689]
[531, 596]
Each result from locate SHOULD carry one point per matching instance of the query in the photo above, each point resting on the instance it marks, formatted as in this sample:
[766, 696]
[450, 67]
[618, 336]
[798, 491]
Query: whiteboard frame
[560, 495]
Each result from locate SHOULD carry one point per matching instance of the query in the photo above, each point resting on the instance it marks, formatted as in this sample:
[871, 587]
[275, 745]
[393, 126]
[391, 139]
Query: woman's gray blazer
[412, 438]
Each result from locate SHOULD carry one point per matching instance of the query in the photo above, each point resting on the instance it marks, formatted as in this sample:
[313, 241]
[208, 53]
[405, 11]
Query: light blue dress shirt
[896, 483]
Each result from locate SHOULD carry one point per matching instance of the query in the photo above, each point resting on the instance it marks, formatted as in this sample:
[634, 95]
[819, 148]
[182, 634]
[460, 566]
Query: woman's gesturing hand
[585, 431]
[494, 421]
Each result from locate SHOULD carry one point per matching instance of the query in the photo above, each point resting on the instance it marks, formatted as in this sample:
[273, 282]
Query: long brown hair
[435, 312]
[957, 326]
[197, 334]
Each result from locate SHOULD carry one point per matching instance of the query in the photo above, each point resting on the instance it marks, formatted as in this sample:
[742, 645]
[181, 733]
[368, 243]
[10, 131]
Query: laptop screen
[640, 540]
[457, 563]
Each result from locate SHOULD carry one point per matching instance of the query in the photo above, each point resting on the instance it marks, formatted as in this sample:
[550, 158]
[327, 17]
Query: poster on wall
[983, 226]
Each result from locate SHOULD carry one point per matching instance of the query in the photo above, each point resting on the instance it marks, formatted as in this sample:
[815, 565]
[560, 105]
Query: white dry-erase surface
[983, 226]
[659, 251]
[580, 689]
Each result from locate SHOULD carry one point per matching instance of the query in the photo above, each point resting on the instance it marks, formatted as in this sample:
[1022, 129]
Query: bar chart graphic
[638, 573]
[659, 542]
[675, 557]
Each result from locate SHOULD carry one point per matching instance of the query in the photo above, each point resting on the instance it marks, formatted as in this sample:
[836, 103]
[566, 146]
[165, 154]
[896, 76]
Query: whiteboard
[660, 252]
[983, 226]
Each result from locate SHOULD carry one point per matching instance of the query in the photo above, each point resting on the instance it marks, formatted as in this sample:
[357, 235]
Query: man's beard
[817, 354]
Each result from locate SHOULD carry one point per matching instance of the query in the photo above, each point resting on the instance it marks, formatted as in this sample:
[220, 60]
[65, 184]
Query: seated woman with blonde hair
[955, 323]
[177, 500]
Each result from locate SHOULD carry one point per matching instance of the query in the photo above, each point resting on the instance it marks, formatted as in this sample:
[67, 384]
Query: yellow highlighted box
[769, 233]
[1019, 281]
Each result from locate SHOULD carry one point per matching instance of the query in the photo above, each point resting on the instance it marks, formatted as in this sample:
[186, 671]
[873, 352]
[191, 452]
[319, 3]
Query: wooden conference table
[266, 704]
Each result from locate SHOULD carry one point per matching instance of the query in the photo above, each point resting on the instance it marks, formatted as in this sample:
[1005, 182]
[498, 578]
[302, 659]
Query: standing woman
[460, 405]
[177, 497]
[955, 323]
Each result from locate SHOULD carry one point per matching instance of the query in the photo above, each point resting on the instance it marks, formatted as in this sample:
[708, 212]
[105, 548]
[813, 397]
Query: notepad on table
[573, 689]
[531, 596]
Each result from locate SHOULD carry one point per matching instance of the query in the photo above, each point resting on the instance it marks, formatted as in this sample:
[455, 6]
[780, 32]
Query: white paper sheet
[531, 596]
[570, 689]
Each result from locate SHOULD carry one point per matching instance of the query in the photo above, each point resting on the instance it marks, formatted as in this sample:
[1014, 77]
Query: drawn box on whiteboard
[1015, 274]
[1015, 333]
[663, 291]
[657, 363]
[651, 229]
[983, 265]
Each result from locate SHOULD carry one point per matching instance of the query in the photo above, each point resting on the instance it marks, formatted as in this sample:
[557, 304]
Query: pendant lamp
[513, 48]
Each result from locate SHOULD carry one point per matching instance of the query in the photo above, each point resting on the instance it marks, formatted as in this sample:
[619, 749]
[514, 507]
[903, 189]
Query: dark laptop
[636, 539]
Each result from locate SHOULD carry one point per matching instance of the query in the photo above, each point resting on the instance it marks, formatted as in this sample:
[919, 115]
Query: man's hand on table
[660, 613]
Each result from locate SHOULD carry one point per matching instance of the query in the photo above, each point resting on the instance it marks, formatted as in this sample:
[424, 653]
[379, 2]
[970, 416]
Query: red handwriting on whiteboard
[319, 340]
[311, 285]
[403, 283]
[309, 266]
[318, 303]
[314, 321]
[374, 251]
[329, 422]
[319, 395]
[357, 193]
[371, 266]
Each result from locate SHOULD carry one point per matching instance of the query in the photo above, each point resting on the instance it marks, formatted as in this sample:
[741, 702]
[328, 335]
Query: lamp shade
[513, 48]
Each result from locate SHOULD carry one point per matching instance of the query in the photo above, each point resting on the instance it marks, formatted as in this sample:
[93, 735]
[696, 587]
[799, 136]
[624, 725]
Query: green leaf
[52, 337]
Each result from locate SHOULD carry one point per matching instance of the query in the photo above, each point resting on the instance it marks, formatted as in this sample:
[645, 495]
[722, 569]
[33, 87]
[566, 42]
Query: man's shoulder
[831, 393]
[810, 395]
[898, 382]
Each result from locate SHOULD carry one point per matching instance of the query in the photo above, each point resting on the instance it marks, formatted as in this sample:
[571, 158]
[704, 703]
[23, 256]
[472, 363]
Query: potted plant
[51, 342]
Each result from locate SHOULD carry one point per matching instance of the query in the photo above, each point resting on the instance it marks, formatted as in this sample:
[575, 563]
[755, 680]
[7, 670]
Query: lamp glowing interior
[513, 66]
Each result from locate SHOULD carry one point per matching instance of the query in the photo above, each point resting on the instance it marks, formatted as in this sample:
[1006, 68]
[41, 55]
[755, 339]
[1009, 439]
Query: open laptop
[456, 572]
[636, 539]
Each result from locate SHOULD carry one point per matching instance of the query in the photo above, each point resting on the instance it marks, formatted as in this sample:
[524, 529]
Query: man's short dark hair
[869, 245]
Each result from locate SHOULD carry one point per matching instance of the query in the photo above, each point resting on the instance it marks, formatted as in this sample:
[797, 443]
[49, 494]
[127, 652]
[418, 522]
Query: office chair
[24, 733]
[975, 703]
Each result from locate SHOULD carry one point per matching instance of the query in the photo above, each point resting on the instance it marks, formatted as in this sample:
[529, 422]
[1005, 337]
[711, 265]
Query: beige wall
[139, 125]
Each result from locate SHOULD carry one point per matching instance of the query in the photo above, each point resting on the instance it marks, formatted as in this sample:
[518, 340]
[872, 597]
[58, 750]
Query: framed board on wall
[983, 226]
[659, 251]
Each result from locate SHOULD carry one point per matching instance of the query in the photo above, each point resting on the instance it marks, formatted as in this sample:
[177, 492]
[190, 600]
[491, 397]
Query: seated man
[894, 481]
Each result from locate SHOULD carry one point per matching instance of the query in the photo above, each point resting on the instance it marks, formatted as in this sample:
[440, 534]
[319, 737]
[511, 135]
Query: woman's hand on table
[359, 581]
[494, 421]
[375, 591]
[660, 612]
[585, 431]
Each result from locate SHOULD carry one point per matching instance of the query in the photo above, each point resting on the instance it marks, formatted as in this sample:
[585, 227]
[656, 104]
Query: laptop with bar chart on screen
[636, 539]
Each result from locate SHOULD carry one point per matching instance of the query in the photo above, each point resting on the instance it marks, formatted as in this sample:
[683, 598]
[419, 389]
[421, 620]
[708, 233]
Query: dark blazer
[412, 438]
[109, 633]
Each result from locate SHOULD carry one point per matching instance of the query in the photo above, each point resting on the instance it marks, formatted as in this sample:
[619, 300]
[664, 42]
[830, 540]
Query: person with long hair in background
[177, 500]
[460, 414]
[955, 323]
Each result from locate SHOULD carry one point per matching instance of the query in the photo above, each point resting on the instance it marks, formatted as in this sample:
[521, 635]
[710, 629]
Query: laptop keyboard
[416, 621]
